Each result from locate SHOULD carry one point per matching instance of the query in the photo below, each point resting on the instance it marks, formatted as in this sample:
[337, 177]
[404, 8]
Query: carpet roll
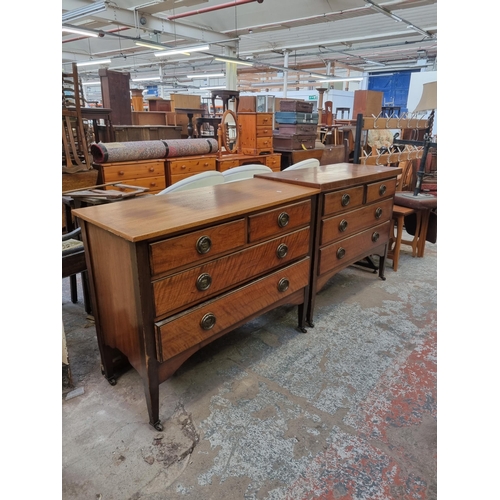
[187, 147]
[128, 151]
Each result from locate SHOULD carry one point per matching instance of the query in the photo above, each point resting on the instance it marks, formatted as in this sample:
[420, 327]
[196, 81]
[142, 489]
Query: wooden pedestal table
[171, 273]
[190, 112]
[353, 218]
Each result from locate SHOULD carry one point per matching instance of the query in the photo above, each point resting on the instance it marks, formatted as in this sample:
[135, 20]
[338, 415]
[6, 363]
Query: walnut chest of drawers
[255, 133]
[353, 219]
[143, 173]
[173, 272]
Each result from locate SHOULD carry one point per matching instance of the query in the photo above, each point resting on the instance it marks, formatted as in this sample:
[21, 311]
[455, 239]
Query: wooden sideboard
[171, 273]
[353, 220]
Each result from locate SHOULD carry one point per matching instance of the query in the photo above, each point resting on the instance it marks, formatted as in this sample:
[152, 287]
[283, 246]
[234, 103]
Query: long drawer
[199, 283]
[127, 170]
[349, 223]
[190, 166]
[338, 254]
[176, 335]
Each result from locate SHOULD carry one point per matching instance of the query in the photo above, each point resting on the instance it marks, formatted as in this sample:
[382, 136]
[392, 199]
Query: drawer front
[206, 280]
[189, 248]
[278, 221]
[121, 173]
[176, 335]
[265, 131]
[345, 252]
[264, 119]
[346, 199]
[153, 183]
[274, 162]
[349, 223]
[186, 166]
[223, 165]
[265, 143]
[379, 190]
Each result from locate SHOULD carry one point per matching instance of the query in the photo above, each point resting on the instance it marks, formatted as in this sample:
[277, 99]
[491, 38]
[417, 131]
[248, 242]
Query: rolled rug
[128, 151]
[187, 147]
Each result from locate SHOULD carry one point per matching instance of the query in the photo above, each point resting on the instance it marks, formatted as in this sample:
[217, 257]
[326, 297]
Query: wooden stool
[396, 239]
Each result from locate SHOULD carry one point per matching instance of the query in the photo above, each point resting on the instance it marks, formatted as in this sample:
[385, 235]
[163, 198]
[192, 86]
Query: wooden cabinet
[170, 274]
[143, 173]
[367, 102]
[354, 216]
[159, 104]
[256, 133]
[181, 167]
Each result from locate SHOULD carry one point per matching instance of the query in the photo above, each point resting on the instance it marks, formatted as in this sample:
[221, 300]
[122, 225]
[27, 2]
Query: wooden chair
[73, 263]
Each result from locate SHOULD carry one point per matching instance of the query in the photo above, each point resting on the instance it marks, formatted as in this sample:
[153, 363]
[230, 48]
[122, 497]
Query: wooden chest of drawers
[143, 173]
[256, 133]
[225, 162]
[171, 273]
[353, 218]
[179, 168]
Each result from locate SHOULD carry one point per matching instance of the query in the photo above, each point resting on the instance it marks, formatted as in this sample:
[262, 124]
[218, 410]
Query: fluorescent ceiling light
[151, 45]
[340, 79]
[91, 83]
[419, 30]
[80, 32]
[95, 61]
[88, 10]
[233, 60]
[384, 11]
[369, 61]
[213, 87]
[146, 79]
[186, 50]
[213, 75]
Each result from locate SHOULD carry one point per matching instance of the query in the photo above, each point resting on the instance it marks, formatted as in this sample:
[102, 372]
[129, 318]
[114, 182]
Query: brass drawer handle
[382, 189]
[378, 213]
[283, 285]
[281, 251]
[340, 253]
[283, 219]
[342, 225]
[203, 282]
[345, 200]
[375, 236]
[203, 245]
[208, 321]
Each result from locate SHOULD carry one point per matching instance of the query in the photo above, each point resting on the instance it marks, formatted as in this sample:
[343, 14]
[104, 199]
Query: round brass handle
[203, 282]
[283, 285]
[283, 219]
[121, 172]
[342, 225]
[345, 200]
[208, 321]
[382, 189]
[203, 245]
[375, 236]
[340, 253]
[378, 213]
[281, 251]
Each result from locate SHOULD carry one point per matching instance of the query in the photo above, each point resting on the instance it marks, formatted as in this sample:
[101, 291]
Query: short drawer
[182, 250]
[346, 199]
[264, 131]
[344, 252]
[215, 276]
[265, 143]
[121, 173]
[153, 183]
[193, 166]
[264, 119]
[176, 335]
[349, 223]
[273, 161]
[278, 221]
[224, 165]
[379, 190]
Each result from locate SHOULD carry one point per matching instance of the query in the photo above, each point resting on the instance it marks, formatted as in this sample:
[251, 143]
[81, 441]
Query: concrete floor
[346, 411]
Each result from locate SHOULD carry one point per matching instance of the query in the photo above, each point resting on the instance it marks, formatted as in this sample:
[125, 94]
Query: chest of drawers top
[163, 215]
[335, 176]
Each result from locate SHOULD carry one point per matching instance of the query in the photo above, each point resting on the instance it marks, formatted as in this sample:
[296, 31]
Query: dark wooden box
[294, 141]
[297, 128]
[302, 106]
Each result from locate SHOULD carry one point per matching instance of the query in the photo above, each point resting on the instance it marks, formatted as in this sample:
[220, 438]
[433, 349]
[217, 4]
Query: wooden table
[96, 114]
[190, 112]
[212, 121]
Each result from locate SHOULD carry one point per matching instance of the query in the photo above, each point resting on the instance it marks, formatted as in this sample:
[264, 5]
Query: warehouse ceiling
[311, 38]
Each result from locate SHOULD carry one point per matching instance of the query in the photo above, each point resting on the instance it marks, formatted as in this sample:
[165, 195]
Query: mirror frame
[224, 138]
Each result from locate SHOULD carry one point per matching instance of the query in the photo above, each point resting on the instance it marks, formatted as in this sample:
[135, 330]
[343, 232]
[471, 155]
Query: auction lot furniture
[171, 273]
[354, 214]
